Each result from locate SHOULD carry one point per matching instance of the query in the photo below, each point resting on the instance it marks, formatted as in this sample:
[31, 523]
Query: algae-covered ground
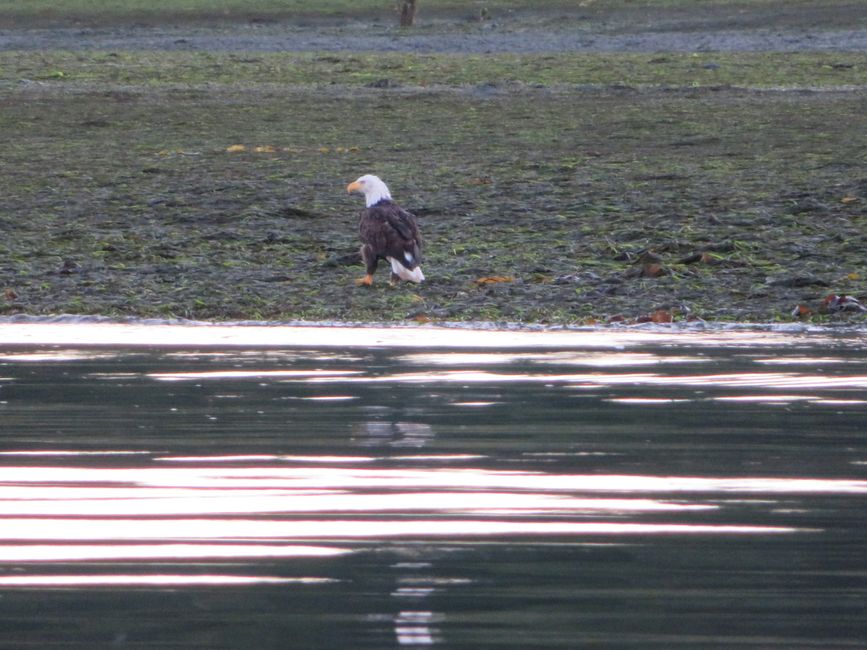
[563, 187]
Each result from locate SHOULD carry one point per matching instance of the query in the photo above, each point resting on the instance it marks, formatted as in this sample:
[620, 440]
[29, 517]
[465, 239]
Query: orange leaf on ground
[661, 316]
[494, 279]
[658, 316]
[802, 311]
[653, 270]
[236, 148]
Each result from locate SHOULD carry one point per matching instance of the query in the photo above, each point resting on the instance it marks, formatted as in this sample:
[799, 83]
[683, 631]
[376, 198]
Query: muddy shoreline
[590, 26]
[246, 38]
[193, 172]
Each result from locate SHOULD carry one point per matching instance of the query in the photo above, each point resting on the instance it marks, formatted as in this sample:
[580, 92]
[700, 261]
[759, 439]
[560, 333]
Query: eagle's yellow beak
[354, 186]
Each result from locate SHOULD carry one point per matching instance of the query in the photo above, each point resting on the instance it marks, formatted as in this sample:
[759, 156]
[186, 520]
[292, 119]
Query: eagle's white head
[372, 187]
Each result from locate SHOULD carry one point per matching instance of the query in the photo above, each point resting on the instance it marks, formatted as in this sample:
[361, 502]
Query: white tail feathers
[404, 273]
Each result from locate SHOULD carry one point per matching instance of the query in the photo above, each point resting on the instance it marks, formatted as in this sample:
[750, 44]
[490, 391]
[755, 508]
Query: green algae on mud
[110, 12]
[563, 13]
[123, 199]
[761, 70]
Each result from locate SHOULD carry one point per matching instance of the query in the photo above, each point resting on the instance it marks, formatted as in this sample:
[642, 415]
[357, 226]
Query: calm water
[183, 488]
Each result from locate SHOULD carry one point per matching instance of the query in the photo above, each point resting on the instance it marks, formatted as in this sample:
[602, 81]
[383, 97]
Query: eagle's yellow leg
[366, 281]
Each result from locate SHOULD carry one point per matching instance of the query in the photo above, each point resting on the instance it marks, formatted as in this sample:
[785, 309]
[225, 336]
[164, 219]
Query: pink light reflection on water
[436, 478]
[231, 516]
[336, 529]
[149, 580]
[318, 336]
[238, 510]
[227, 504]
[68, 502]
[764, 380]
[187, 552]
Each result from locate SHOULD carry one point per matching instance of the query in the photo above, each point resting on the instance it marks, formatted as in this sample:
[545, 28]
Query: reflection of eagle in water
[387, 231]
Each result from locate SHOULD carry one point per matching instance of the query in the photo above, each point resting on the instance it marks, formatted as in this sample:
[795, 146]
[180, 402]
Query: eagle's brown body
[389, 232]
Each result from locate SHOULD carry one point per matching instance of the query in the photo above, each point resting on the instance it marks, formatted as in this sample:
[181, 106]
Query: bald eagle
[387, 231]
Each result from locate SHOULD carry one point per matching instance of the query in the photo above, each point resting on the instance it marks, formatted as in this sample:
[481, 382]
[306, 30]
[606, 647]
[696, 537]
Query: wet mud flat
[563, 188]
[456, 26]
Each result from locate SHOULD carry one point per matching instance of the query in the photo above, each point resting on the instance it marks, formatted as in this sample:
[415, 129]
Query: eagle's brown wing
[408, 239]
[390, 231]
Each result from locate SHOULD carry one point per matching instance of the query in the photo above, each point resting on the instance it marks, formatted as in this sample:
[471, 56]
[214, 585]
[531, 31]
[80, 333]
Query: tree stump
[407, 13]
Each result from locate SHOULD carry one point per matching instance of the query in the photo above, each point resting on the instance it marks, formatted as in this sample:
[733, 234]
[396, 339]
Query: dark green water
[668, 491]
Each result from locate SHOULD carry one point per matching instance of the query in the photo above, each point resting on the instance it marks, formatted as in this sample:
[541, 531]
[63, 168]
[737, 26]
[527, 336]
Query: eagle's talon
[366, 281]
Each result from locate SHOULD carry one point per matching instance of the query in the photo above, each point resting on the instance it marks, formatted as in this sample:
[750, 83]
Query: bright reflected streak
[413, 628]
[734, 380]
[803, 361]
[248, 374]
[334, 478]
[766, 399]
[318, 336]
[218, 459]
[246, 529]
[280, 355]
[412, 592]
[475, 404]
[330, 398]
[113, 375]
[71, 452]
[445, 457]
[433, 580]
[568, 454]
[232, 459]
[81, 553]
[463, 358]
[329, 459]
[226, 502]
[641, 401]
[591, 359]
[765, 380]
[149, 580]
[56, 355]
[615, 360]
